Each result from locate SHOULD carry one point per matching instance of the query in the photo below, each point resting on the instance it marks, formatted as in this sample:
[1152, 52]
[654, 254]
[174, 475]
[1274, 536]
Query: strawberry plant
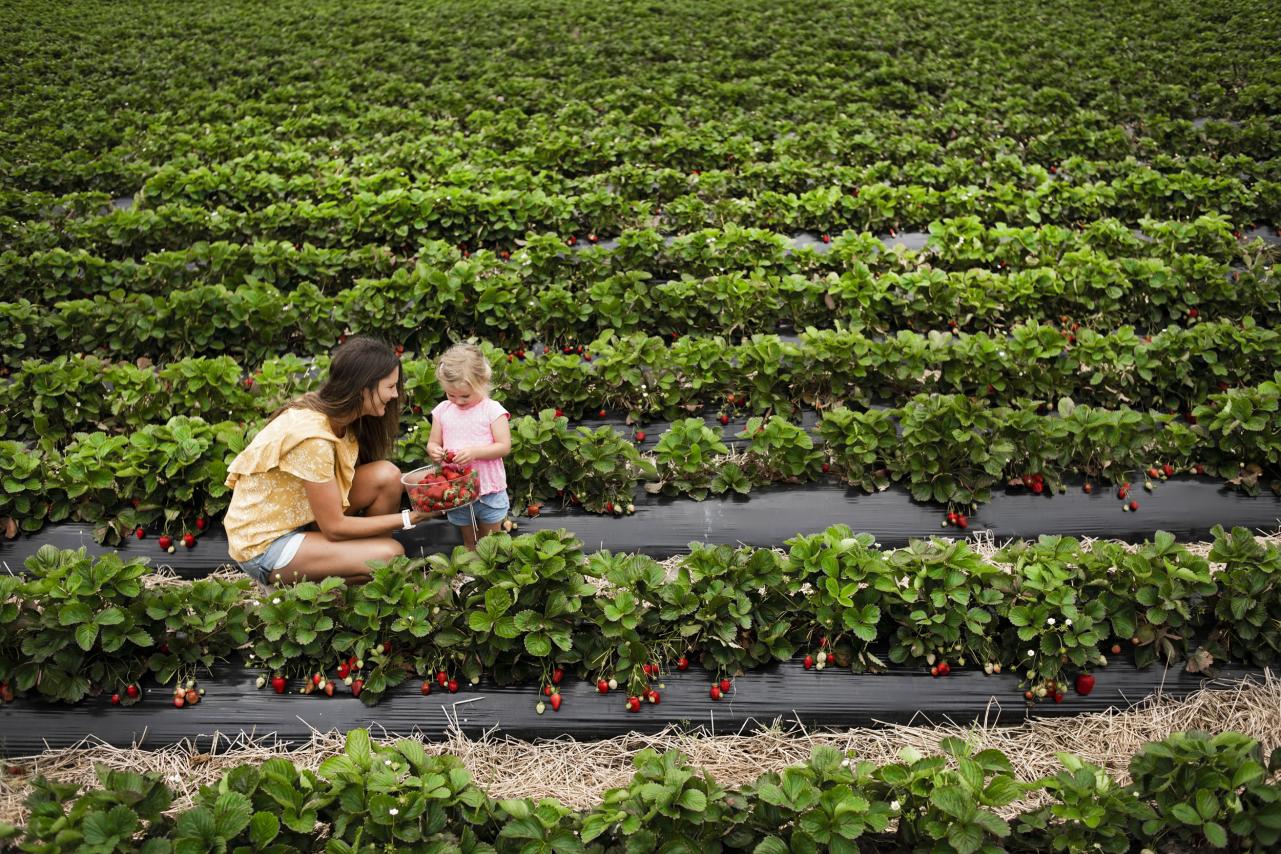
[1155, 595]
[946, 602]
[626, 610]
[688, 459]
[387, 626]
[606, 470]
[1056, 627]
[298, 627]
[22, 499]
[522, 603]
[951, 450]
[843, 582]
[1241, 422]
[824, 804]
[397, 794]
[196, 626]
[1090, 812]
[1208, 789]
[731, 606]
[950, 810]
[860, 445]
[778, 450]
[1247, 610]
[84, 627]
[666, 803]
[126, 812]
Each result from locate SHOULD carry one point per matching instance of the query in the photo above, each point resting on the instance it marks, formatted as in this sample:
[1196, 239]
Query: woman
[322, 459]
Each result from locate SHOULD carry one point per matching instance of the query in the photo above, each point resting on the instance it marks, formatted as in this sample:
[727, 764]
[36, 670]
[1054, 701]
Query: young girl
[475, 429]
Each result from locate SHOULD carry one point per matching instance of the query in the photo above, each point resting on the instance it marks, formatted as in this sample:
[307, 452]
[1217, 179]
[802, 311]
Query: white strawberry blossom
[1030, 653]
[894, 805]
[393, 811]
[276, 601]
[1051, 621]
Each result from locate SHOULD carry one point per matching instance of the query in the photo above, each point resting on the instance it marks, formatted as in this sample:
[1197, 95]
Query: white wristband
[404, 518]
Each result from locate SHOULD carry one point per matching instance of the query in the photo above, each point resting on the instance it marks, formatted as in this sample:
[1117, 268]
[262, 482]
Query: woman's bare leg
[319, 557]
[375, 489]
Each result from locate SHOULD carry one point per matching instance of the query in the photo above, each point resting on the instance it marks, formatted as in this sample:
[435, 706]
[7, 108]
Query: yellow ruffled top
[268, 498]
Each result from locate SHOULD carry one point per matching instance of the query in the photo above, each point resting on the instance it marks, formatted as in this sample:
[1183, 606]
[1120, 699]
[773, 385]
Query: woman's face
[376, 401]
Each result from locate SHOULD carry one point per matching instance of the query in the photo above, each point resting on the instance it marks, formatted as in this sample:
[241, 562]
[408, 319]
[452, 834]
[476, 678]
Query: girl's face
[461, 396]
[376, 400]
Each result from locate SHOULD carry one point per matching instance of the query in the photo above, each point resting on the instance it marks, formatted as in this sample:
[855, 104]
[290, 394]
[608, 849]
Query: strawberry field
[776, 294]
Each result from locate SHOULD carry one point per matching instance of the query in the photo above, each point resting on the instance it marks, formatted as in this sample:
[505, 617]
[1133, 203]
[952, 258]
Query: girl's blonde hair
[465, 364]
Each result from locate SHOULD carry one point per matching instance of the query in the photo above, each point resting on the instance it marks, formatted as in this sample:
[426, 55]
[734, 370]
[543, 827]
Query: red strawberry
[1168, 469]
[1084, 684]
[557, 675]
[571, 241]
[316, 679]
[724, 419]
[1192, 313]
[201, 523]
[944, 668]
[1199, 469]
[826, 468]
[426, 687]
[329, 689]
[555, 701]
[1154, 472]
[654, 697]
[357, 685]
[961, 521]
[633, 704]
[115, 699]
[951, 518]
[1134, 505]
[827, 238]
[809, 662]
[453, 686]
[640, 436]
[1037, 487]
[547, 690]
[592, 238]
[165, 541]
[505, 255]
[602, 686]
[189, 540]
[442, 678]
[132, 691]
[1088, 488]
[560, 413]
[682, 663]
[178, 701]
[140, 533]
[725, 686]
[1116, 649]
[715, 693]
[934, 671]
[1058, 696]
[278, 684]
[343, 670]
[601, 414]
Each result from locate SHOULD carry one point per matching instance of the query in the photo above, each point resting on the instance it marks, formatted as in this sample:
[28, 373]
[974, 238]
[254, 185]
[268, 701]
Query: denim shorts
[277, 556]
[490, 510]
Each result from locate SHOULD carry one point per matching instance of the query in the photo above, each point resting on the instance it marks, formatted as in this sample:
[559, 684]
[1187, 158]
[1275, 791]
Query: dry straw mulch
[577, 773]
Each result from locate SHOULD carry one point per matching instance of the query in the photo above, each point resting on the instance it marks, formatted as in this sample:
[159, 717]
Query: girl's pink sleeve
[496, 411]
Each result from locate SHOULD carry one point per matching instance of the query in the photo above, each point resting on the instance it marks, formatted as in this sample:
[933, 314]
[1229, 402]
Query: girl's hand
[463, 457]
[436, 452]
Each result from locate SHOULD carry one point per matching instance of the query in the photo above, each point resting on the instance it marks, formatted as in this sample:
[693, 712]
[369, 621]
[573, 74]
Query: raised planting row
[581, 261]
[534, 609]
[1191, 788]
[402, 219]
[949, 449]
[646, 378]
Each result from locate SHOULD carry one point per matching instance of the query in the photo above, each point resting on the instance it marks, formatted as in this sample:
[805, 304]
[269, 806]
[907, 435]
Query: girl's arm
[434, 448]
[496, 450]
[326, 506]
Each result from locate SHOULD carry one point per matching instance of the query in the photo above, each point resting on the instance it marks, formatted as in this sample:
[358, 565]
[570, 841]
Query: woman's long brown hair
[359, 364]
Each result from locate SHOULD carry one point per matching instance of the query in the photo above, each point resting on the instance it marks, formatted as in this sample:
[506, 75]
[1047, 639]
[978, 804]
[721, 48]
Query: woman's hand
[436, 452]
[416, 516]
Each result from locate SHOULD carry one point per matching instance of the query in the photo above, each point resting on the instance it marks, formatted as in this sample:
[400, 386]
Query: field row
[1198, 250]
[947, 449]
[648, 378]
[403, 218]
[1190, 788]
[519, 608]
[424, 308]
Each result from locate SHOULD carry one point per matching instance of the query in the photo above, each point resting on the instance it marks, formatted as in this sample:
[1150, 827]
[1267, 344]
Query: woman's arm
[326, 506]
[499, 448]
